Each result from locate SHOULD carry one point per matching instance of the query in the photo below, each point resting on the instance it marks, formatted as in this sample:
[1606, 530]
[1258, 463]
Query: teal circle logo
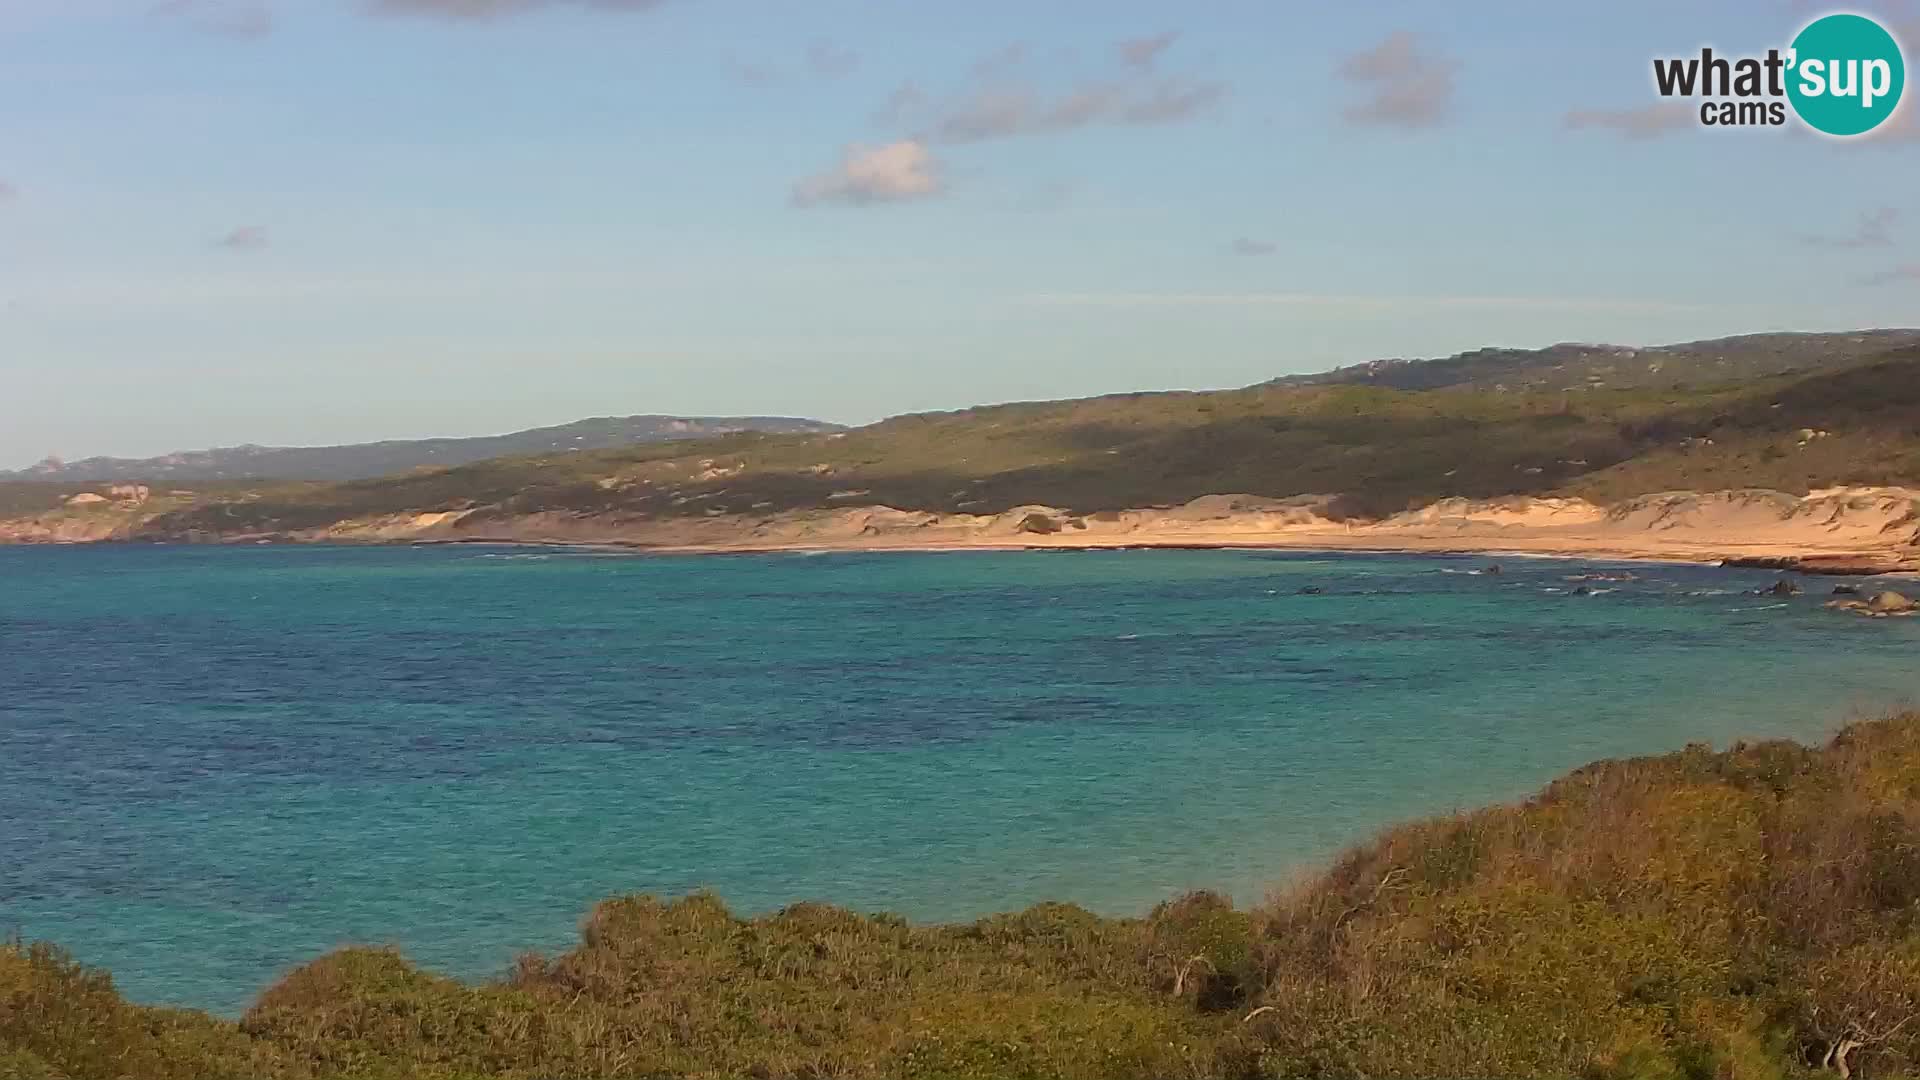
[1846, 75]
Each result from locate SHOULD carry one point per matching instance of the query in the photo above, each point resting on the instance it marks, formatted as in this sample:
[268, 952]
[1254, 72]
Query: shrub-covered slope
[230, 463]
[1574, 366]
[1384, 450]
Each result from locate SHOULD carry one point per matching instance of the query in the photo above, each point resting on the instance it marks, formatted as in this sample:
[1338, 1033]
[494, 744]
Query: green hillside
[1572, 366]
[201, 468]
[31, 498]
[1382, 449]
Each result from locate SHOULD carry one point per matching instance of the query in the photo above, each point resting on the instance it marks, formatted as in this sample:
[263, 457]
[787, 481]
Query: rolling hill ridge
[362, 460]
[1838, 411]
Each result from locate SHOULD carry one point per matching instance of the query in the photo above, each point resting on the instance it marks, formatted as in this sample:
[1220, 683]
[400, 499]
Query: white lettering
[1813, 77]
[1878, 80]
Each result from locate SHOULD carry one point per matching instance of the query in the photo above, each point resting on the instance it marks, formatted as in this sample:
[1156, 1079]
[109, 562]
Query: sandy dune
[1858, 529]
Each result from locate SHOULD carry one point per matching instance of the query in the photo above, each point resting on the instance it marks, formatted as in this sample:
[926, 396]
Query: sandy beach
[1838, 530]
[1844, 530]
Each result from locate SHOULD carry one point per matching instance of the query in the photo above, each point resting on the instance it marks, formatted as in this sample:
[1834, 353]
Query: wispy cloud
[244, 19]
[1144, 52]
[1904, 127]
[1405, 85]
[999, 103]
[1359, 302]
[754, 73]
[1643, 122]
[906, 99]
[1002, 96]
[1001, 61]
[483, 10]
[1874, 229]
[246, 238]
[8, 192]
[1902, 273]
[867, 175]
[1247, 245]
[1003, 112]
[830, 61]
[1048, 197]
[822, 60]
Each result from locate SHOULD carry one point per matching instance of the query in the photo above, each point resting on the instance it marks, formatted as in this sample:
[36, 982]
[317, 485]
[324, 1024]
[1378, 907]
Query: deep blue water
[216, 763]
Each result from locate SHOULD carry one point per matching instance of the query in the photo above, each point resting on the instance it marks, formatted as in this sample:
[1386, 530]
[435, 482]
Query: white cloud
[897, 172]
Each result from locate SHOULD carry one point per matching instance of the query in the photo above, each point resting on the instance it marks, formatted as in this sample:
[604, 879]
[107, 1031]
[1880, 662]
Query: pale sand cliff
[1839, 529]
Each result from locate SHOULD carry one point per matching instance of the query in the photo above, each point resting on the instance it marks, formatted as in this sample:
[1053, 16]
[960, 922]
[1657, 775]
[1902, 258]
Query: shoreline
[1849, 564]
[1732, 554]
[637, 547]
[1467, 537]
[1839, 531]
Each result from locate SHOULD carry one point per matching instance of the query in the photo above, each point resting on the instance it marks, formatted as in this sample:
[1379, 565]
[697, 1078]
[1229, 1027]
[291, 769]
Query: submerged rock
[1891, 603]
[1881, 605]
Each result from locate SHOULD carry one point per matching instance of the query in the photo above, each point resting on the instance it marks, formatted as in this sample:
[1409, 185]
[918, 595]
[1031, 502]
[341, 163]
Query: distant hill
[1381, 449]
[1571, 366]
[1792, 413]
[362, 460]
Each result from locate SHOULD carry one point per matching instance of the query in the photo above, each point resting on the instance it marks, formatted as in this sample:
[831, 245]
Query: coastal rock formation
[1880, 605]
[64, 529]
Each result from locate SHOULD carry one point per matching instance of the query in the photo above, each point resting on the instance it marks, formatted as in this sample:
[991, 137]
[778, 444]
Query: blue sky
[312, 221]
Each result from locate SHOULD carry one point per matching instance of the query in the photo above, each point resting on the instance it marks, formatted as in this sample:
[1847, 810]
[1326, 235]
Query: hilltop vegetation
[1843, 413]
[360, 460]
[28, 498]
[1743, 915]
[1571, 366]
[1381, 449]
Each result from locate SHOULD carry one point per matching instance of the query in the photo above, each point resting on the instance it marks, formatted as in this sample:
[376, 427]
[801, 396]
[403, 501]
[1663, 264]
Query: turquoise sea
[216, 763]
